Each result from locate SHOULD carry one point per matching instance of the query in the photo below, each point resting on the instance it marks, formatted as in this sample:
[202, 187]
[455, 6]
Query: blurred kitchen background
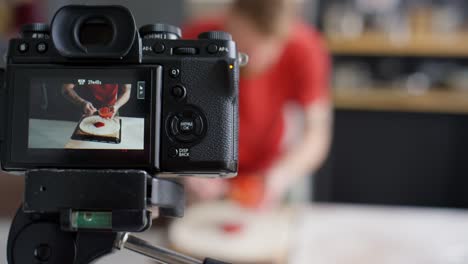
[400, 89]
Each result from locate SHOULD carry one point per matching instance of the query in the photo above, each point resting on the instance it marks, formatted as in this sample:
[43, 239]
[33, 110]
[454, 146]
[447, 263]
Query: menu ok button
[186, 126]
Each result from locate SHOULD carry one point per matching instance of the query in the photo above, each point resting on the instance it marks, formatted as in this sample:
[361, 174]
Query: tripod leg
[160, 254]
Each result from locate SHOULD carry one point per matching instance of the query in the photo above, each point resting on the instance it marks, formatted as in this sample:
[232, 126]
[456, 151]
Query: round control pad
[188, 126]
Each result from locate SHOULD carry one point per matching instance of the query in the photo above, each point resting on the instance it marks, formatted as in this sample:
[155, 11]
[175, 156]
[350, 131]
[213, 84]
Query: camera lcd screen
[87, 112]
[83, 117]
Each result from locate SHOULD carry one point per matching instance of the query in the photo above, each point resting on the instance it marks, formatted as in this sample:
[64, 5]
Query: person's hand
[277, 183]
[114, 109]
[89, 109]
[206, 189]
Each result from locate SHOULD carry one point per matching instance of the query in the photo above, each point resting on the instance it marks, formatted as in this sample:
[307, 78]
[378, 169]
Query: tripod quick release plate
[87, 199]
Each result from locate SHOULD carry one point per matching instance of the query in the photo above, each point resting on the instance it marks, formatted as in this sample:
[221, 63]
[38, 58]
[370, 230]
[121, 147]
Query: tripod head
[79, 216]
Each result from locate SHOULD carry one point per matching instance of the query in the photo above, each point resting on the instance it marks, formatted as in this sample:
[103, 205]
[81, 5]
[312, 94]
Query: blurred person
[27, 12]
[97, 96]
[11, 193]
[288, 63]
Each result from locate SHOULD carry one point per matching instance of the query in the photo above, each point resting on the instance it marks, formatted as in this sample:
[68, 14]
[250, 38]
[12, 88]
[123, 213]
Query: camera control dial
[36, 31]
[215, 35]
[160, 31]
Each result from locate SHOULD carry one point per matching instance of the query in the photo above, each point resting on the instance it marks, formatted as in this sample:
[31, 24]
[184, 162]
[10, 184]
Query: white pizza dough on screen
[111, 126]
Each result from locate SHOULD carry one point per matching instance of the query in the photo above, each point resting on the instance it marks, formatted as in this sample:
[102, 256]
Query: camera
[93, 92]
[97, 112]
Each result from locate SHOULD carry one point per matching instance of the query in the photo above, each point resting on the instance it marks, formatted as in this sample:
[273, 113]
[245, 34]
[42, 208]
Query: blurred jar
[343, 20]
[352, 75]
[447, 19]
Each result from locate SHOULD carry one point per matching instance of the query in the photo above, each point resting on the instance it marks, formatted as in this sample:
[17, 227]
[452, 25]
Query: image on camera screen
[86, 114]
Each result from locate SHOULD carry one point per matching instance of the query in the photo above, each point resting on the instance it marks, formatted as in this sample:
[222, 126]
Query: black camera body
[173, 102]
[95, 111]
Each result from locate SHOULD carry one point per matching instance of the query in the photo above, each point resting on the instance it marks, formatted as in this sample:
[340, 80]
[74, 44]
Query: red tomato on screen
[99, 124]
[105, 112]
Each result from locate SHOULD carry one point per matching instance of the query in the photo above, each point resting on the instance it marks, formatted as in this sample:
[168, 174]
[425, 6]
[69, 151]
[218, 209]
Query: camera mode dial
[215, 35]
[36, 31]
[160, 31]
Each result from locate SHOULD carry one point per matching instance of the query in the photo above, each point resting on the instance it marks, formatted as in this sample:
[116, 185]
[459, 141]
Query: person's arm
[307, 156]
[68, 91]
[123, 98]
[311, 90]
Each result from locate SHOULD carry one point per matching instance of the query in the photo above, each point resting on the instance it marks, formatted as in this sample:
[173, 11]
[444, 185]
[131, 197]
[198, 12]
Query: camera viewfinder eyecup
[106, 32]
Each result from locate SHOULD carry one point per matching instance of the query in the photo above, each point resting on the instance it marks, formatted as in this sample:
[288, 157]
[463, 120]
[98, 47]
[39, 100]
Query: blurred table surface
[394, 235]
[338, 234]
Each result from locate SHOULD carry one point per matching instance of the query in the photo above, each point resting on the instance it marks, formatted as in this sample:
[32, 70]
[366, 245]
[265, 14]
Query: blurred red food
[232, 228]
[105, 112]
[99, 124]
[247, 190]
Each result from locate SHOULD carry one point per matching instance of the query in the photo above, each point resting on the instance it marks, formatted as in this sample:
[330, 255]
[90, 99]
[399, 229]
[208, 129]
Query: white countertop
[353, 235]
[326, 234]
[384, 235]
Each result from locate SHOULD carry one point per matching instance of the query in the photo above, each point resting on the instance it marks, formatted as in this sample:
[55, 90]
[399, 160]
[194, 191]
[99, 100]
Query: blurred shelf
[388, 99]
[375, 44]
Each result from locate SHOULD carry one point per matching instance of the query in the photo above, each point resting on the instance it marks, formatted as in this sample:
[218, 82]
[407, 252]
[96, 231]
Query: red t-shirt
[301, 75]
[105, 94]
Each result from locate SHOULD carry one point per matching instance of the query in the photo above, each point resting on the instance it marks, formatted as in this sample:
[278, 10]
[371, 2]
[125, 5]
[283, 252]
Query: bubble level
[92, 220]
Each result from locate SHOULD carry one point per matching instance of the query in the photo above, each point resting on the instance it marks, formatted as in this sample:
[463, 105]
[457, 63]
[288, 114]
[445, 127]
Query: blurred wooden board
[387, 99]
[378, 44]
